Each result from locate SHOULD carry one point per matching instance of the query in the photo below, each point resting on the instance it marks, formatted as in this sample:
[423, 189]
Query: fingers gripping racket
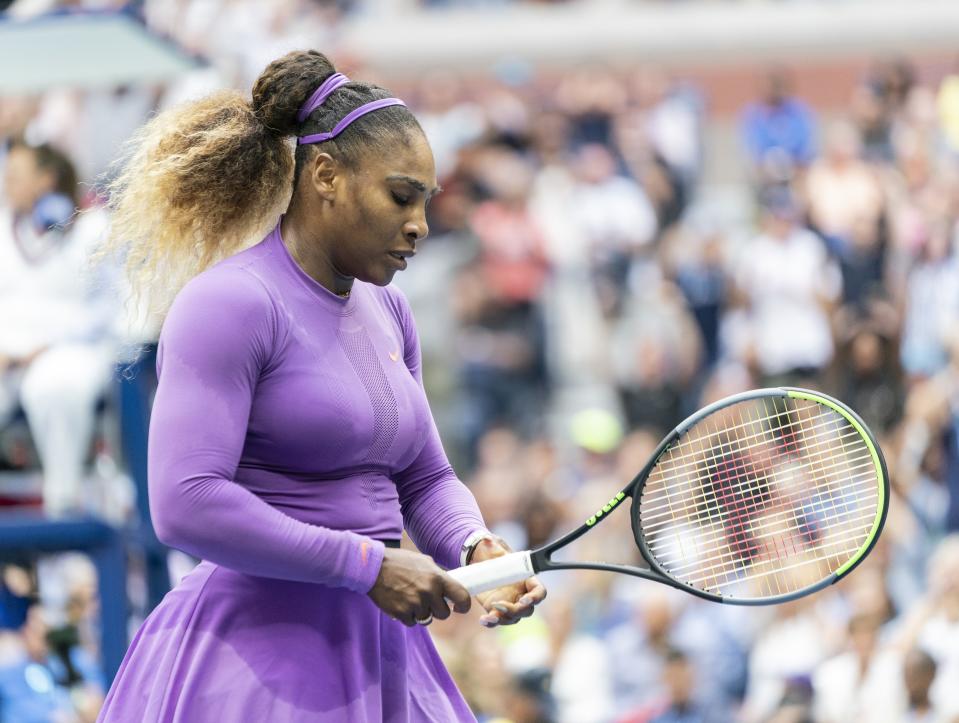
[760, 498]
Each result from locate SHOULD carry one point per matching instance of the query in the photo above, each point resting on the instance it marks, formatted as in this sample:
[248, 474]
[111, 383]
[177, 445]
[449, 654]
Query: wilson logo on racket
[759, 498]
[606, 509]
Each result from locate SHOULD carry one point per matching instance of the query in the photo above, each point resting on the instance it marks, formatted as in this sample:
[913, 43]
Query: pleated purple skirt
[224, 647]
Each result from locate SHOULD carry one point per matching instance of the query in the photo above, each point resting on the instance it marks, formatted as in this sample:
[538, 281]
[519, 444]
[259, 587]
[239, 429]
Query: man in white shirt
[790, 285]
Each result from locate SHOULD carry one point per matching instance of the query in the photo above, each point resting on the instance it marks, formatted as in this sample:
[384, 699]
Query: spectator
[931, 305]
[615, 219]
[639, 648]
[40, 686]
[512, 256]
[670, 114]
[794, 639]
[679, 704]
[863, 683]
[919, 671]
[497, 302]
[656, 352]
[796, 703]
[778, 129]
[662, 183]
[56, 356]
[449, 122]
[790, 285]
[870, 377]
[844, 196]
[528, 699]
[933, 626]
[701, 275]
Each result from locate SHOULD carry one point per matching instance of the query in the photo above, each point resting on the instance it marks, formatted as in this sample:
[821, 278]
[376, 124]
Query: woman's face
[383, 211]
[24, 181]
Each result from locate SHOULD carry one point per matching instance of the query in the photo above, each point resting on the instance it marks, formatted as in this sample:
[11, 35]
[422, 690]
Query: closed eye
[400, 199]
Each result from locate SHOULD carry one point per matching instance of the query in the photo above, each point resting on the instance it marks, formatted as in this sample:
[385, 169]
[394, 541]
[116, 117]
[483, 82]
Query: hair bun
[282, 89]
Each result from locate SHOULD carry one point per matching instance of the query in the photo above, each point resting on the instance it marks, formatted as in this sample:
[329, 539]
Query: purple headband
[321, 94]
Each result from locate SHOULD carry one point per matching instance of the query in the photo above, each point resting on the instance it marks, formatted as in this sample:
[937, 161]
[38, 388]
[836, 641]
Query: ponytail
[197, 183]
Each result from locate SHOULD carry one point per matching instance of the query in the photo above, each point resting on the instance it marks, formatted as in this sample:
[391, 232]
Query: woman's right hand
[411, 587]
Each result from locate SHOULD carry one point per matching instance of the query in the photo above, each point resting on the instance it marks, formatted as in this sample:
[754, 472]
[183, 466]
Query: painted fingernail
[501, 608]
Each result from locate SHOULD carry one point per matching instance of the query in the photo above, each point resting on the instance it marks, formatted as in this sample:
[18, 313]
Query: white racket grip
[489, 574]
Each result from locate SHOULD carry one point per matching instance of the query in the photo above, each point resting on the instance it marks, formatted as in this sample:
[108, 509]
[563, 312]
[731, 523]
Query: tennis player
[291, 440]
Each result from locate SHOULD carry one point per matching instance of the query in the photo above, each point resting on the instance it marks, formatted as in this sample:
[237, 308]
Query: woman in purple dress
[291, 440]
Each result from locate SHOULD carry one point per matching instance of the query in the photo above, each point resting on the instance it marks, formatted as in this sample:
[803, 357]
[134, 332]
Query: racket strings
[743, 477]
[664, 510]
[801, 521]
[762, 434]
[689, 440]
[787, 541]
[721, 560]
[667, 512]
[665, 515]
[789, 484]
[743, 545]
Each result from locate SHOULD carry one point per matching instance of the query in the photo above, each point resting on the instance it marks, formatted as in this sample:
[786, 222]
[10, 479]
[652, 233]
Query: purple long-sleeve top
[290, 430]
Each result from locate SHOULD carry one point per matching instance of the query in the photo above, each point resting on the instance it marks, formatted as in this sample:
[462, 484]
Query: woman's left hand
[508, 604]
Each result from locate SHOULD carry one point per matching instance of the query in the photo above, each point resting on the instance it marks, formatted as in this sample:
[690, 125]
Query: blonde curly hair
[198, 183]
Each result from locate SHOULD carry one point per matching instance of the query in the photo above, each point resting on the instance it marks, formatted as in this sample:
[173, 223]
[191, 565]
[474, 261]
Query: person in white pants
[56, 354]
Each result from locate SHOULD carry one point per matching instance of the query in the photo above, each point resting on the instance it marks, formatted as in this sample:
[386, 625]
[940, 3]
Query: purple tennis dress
[289, 434]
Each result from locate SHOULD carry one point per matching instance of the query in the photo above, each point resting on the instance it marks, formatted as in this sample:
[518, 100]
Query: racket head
[761, 498]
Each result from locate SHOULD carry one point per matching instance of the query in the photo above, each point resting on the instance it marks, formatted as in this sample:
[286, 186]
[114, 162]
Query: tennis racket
[760, 498]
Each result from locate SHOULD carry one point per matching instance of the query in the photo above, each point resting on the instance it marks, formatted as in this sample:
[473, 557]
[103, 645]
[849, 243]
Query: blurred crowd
[599, 294]
[585, 287]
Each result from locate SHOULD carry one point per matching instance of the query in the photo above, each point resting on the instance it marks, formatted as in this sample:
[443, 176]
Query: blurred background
[648, 205]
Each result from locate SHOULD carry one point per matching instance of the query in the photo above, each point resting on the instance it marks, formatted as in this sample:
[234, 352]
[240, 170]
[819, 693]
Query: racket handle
[499, 571]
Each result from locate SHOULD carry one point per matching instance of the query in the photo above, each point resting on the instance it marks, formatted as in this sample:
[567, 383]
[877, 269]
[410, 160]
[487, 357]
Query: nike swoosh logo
[395, 355]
